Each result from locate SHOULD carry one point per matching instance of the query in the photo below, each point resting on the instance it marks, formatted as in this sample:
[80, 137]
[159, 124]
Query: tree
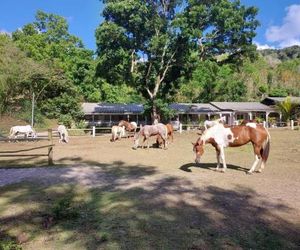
[48, 40]
[287, 108]
[153, 44]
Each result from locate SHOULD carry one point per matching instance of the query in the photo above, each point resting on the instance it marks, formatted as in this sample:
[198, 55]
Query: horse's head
[121, 123]
[198, 149]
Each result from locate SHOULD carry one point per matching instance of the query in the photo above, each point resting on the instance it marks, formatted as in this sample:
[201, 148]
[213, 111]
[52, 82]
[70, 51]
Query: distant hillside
[282, 55]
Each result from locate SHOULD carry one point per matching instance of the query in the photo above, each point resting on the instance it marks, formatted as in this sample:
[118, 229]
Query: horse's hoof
[259, 171]
[134, 148]
[248, 172]
[215, 169]
[223, 171]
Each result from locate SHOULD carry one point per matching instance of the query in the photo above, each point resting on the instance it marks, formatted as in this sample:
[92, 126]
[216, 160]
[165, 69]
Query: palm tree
[287, 108]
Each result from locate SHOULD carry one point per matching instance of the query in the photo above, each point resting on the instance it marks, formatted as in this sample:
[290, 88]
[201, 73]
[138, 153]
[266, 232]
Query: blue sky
[280, 19]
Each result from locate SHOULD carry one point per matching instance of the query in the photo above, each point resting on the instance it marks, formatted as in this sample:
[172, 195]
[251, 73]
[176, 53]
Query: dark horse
[220, 137]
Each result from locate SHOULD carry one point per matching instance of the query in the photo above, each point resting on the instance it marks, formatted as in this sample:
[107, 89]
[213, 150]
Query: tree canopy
[152, 44]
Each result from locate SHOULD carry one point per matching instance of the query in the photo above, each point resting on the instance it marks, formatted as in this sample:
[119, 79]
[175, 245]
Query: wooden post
[50, 138]
[180, 128]
[94, 131]
[292, 124]
[50, 155]
[50, 148]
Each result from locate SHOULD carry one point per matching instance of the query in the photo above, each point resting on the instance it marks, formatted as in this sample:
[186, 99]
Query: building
[108, 114]
[233, 111]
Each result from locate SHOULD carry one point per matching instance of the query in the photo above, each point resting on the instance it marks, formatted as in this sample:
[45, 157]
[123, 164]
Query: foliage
[212, 82]
[287, 108]
[48, 41]
[153, 44]
[121, 93]
[162, 108]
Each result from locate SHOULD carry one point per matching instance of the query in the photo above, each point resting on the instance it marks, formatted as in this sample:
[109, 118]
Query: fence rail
[16, 153]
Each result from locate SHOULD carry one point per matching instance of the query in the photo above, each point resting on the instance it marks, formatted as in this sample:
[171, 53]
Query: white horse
[26, 130]
[117, 132]
[208, 124]
[63, 134]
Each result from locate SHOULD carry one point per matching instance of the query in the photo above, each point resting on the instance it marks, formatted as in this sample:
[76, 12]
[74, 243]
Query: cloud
[288, 33]
[263, 46]
[5, 32]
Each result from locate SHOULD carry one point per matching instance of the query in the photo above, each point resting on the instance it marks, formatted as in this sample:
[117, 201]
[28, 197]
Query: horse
[220, 137]
[170, 132]
[117, 132]
[26, 130]
[63, 134]
[129, 126]
[151, 130]
[244, 122]
[208, 124]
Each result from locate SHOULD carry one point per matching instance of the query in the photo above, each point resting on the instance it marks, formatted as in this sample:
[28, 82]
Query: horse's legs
[145, 138]
[254, 165]
[222, 154]
[218, 158]
[257, 159]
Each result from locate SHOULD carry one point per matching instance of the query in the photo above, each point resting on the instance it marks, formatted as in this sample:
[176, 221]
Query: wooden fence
[19, 153]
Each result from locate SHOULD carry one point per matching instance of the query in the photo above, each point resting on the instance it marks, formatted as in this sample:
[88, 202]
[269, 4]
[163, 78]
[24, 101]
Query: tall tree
[152, 44]
[48, 40]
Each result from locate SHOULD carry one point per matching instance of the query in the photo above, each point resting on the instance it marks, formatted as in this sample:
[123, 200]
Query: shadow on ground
[126, 208]
[211, 166]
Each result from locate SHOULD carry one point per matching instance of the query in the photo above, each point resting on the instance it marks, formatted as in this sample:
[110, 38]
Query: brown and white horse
[220, 137]
[129, 126]
[151, 130]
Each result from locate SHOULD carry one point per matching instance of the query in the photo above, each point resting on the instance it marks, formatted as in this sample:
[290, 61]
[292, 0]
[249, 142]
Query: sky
[280, 19]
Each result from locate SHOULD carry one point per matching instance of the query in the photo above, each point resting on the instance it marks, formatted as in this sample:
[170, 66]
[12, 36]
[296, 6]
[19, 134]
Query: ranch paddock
[104, 195]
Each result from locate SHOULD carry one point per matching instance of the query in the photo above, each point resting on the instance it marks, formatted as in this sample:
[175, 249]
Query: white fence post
[94, 131]
[180, 128]
[292, 124]
[265, 124]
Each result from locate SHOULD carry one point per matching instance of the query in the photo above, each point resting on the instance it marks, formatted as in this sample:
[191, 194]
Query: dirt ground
[269, 201]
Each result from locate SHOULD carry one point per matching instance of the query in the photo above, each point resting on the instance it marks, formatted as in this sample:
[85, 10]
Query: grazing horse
[220, 137]
[170, 132]
[208, 124]
[151, 130]
[117, 132]
[26, 130]
[63, 134]
[129, 126]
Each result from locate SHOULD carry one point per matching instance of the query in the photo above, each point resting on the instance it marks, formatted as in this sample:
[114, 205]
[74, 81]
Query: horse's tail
[266, 148]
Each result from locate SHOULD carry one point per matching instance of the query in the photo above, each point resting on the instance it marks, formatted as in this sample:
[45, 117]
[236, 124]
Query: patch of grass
[64, 209]
[8, 244]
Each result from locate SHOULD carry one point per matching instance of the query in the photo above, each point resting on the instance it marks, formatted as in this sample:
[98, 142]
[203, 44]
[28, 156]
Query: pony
[63, 134]
[220, 137]
[26, 130]
[129, 126]
[170, 132]
[117, 132]
[151, 130]
[208, 124]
